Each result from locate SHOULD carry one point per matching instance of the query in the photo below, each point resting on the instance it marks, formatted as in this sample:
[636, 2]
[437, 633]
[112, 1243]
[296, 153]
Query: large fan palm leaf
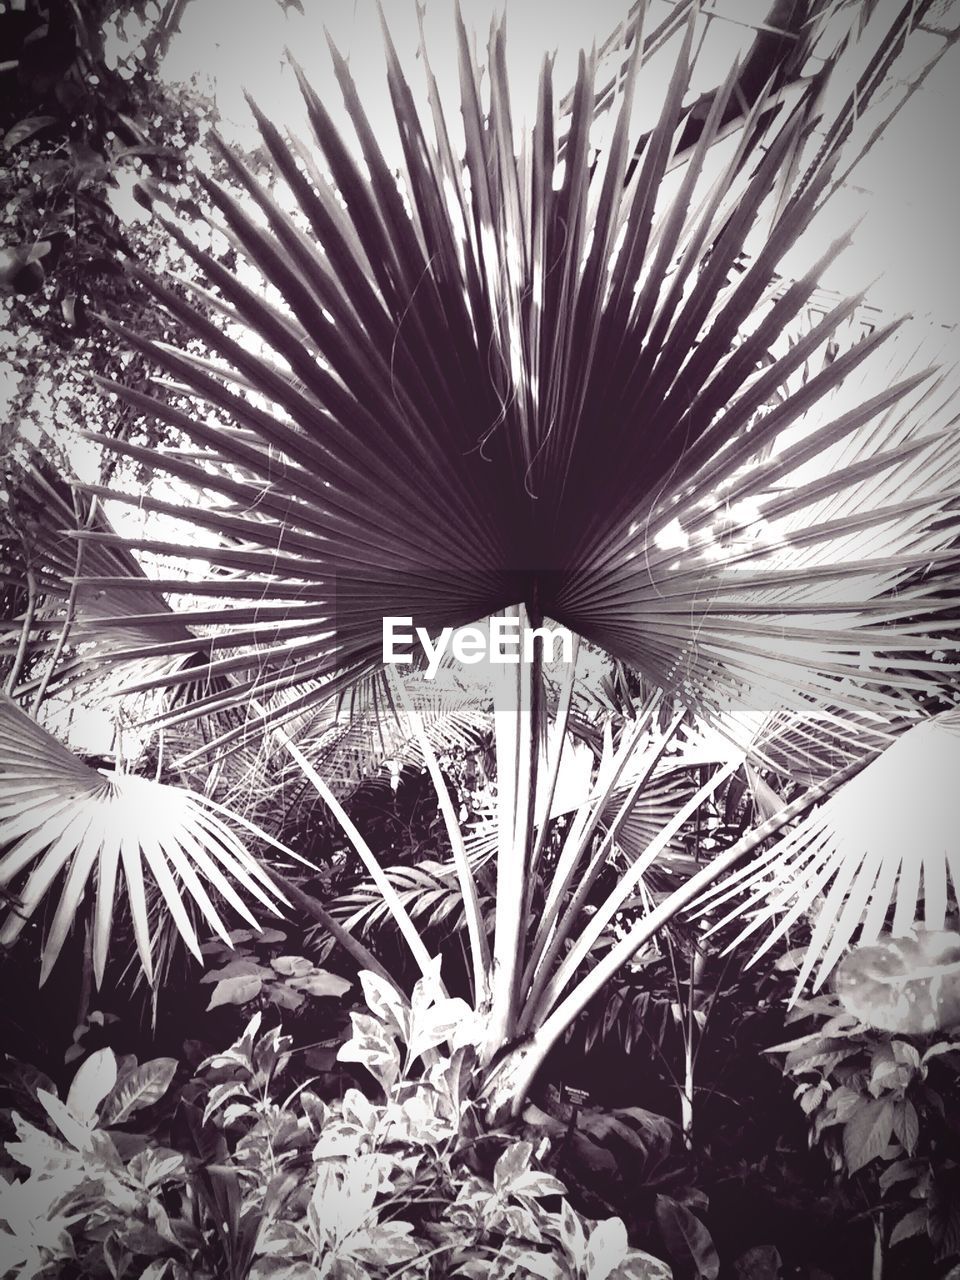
[46, 516]
[505, 378]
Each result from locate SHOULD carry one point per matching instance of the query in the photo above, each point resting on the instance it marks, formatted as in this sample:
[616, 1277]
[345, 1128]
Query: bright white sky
[907, 190]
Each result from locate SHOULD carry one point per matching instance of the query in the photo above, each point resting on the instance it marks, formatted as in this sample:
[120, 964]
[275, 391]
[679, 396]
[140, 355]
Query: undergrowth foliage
[274, 1182]
[883, 1106]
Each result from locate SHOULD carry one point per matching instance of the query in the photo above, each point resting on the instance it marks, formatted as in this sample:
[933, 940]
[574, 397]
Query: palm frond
[41, 534]
[501, 378]
[429, 890]
[350, 738]
[61, 819]
[864, 859]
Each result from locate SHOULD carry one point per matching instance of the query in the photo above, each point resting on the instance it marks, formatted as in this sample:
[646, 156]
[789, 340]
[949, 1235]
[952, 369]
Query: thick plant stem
[628, 884]
[550, 934]
[691, 1035]
[479, 947]
[555, 751]
[518, 751]
[510, 1082]
[543, 966]
[686, 1096]
[363, 850]
[876, 1270]
[311, 907]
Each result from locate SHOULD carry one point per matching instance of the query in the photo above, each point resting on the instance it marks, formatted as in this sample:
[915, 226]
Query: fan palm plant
[517, 372]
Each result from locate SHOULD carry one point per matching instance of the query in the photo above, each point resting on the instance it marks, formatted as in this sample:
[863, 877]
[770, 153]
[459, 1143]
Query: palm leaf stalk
[508, 1083]
[479, 946]
[500, 381]
[362, 849]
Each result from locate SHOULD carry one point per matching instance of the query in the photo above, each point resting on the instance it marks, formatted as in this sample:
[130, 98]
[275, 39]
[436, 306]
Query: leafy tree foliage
[91, 138]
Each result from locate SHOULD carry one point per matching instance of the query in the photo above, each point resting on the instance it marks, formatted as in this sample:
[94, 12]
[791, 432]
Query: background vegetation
[349, 975]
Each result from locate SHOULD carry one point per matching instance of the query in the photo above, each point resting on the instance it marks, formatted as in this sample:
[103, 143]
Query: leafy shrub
[268, 1182]
[245, 972]
[882, 1106]
[95, 1198]
[399, 1185]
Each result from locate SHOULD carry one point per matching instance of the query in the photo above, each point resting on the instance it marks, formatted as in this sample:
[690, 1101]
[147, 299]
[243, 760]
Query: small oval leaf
[235, 991]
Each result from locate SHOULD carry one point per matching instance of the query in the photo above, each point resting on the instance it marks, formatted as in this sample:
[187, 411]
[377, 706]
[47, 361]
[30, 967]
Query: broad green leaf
[900, 1171]
[867, 1133]
[913, 1223]
[688, 1241]
[535, 1183]
[141, 1087]
[511, 1164]
[94, 1080]
[534, 1264]
[640, 1265]
[371, 1046]
[906, 1125]
[321, 983]
[25, 129]
[606, 1248]
[385, 1003]
[285, 997]
[572, 1235]
[291, 966]
[438, 1023]
[235, 991]
[78, 1133]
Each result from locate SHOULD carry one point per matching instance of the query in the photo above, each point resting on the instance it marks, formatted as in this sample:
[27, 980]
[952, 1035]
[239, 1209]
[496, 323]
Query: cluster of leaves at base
[82, 1194]
[883, 1106]
[274, 1183]
[245, 973]
[400, 1184]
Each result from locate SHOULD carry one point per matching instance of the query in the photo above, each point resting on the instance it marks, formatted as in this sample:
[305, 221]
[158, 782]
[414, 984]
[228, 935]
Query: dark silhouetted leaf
[690, 1246]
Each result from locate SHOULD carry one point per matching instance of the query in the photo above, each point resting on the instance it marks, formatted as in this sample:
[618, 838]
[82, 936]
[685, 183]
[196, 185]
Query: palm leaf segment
[38, 539]
[500, 377]
[57, 815]
[864, 858]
